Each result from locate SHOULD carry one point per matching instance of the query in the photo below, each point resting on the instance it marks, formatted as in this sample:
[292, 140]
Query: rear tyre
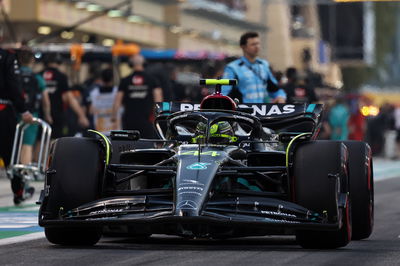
[77, 168]
[361, 188]
[316, 191]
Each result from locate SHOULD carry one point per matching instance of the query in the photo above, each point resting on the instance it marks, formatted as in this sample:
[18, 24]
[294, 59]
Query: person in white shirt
[101, 100]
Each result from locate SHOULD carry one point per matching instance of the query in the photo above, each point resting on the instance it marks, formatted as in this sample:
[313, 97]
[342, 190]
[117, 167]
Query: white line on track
[385, 174]
[23, 238]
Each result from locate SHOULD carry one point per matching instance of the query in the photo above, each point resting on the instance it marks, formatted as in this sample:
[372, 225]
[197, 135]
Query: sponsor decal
[192, 182]
[190, 188]
[278, 213]
[198, 166]
[268, 110]
[258, 109]
[106, 211]
[190, 107]
[137, 80]
[187, 204]
[190, 192]
[48, 75]
[197, 153]
[125, 147]
[281, 221]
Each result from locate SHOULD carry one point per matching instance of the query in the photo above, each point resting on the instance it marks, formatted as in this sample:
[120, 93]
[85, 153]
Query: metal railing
[40, 167]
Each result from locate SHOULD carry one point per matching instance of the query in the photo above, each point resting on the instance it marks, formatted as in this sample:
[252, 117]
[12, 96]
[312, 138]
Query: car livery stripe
[166, 106]
[107, 144]
[21, 238]
[310, 108]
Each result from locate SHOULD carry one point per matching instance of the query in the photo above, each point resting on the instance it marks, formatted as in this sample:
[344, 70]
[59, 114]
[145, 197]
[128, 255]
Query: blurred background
[346, 51]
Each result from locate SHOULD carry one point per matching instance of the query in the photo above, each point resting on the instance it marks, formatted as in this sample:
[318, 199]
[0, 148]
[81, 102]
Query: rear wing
[268, 111]
[282, 118]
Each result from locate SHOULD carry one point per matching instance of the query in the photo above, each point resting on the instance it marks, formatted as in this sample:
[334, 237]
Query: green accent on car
[108, 145]
[198, 166]
[310, 108]
[290, 144]
[246, 183]
[165, 106]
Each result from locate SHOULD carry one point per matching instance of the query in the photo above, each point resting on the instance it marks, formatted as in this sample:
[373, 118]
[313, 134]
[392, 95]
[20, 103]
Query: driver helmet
[220, 133]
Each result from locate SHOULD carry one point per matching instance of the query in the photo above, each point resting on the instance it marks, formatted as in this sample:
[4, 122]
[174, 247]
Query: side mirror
[132, 135]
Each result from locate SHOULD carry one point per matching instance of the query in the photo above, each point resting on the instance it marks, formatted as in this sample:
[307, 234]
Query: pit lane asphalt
[382, 248]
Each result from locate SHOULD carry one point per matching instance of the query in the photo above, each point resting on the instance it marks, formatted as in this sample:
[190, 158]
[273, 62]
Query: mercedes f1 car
[220, 169]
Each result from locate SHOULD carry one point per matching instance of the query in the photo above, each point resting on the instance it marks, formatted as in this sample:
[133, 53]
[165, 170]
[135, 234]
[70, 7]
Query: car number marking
[197, 153]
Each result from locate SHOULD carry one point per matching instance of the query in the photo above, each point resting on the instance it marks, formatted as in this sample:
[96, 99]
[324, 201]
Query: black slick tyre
[361, 188]
[69, 236]
[319, 178]
[77, 166]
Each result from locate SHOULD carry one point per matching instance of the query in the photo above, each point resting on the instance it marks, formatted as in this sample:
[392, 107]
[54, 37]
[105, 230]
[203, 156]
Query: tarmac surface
[382, 248]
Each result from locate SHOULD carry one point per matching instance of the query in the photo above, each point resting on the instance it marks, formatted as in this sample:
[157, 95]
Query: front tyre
[69, 236]
[320, 180]
[76, 167]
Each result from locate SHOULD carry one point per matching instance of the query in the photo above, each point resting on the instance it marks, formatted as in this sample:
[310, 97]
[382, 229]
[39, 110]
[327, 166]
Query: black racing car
[219, 170]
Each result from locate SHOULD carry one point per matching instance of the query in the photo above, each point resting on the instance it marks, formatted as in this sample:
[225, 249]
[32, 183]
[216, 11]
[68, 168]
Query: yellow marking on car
[214, 129]
[197, 153]
[290, 144]
[218, 82]
[108, 148]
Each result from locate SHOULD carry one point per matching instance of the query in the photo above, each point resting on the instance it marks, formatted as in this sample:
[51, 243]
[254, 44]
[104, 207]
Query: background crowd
[104, 101]
[342, 118]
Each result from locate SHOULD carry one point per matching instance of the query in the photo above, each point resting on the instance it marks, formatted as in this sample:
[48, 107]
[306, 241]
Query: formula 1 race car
[219, 170]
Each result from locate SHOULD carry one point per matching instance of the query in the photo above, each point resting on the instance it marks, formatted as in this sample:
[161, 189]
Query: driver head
[220, 133]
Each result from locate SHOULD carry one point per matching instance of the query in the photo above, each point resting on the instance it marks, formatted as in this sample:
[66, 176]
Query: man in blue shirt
[256, 84]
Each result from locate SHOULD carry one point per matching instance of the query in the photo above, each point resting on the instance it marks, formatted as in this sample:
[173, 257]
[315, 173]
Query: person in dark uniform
[137, 93]
[36, 100]
[11, 103]
[297, 92]
[58, 90]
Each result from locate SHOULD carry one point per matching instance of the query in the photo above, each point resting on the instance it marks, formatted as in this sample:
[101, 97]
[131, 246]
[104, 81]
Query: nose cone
[195, 175]
[187, 208]
[191, 193]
